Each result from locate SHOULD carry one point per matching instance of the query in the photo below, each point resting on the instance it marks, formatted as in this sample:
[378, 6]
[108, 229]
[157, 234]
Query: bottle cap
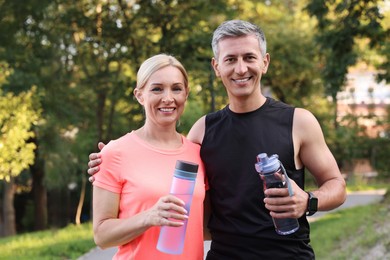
[187, 170]
[267, 164]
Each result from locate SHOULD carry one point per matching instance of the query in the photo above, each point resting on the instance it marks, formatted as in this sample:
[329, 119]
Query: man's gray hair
[237, 28]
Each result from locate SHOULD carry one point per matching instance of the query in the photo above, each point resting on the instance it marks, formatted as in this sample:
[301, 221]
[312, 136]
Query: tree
[340, 24]
[82, 57]
[18, 114]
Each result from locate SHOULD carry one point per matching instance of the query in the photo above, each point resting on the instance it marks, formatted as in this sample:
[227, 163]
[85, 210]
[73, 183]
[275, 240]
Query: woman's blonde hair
[156, 62]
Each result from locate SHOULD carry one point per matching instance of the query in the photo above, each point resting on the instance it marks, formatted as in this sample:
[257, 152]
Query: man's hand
[94, 162]
[281, 205]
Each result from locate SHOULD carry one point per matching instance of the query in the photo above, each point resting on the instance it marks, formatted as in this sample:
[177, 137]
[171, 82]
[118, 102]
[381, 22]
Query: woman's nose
[168, 97]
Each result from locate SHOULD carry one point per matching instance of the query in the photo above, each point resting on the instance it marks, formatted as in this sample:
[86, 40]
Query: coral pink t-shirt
[141, 174]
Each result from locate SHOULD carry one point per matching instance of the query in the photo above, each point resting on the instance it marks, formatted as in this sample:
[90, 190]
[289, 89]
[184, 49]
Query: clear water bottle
[273, 174]
[171, 239]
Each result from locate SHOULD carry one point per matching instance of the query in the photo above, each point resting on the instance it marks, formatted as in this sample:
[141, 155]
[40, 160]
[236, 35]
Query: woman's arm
[110, 231]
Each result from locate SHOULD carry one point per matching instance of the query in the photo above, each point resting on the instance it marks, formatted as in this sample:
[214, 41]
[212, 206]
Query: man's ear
[138, 96]
[215, 64]
[266, 61]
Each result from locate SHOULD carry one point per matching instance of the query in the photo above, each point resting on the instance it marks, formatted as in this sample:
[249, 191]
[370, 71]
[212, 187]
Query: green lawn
[352, 233]
[346, 234]
[67, 243]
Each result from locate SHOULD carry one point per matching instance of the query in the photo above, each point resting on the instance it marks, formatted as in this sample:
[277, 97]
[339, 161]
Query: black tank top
[240, 225]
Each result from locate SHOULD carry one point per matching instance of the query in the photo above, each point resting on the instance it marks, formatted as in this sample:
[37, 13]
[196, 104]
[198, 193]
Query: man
[240, 220]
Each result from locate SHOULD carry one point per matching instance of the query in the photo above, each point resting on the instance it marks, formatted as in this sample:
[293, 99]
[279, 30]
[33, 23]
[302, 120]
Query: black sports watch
[312, 204]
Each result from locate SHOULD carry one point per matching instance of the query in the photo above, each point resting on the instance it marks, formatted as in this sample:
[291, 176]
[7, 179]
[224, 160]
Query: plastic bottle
[274, 175]
[171, 239]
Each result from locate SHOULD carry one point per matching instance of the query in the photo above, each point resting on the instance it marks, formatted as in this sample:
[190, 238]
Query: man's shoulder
[273, 103]
[216, 114]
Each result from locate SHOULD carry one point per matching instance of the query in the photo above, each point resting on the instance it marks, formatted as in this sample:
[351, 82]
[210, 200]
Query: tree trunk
[39, 191]
[81, 201]
[9, 227]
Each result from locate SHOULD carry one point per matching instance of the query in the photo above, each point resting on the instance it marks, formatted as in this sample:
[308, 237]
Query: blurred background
[68, 69]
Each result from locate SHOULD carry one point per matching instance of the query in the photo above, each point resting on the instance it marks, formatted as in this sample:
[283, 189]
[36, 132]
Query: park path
[353, 199]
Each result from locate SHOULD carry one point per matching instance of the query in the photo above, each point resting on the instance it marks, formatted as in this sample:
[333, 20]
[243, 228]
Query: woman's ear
[138, 96]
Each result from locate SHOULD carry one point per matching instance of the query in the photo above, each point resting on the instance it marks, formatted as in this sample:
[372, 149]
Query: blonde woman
[130, 194]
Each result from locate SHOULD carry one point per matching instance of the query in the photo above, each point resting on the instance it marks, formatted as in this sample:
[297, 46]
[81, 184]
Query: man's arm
[319, 161]
[196, 133]
[312, 153]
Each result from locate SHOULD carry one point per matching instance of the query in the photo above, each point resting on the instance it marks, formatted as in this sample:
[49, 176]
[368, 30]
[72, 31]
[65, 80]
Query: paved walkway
[353, 199]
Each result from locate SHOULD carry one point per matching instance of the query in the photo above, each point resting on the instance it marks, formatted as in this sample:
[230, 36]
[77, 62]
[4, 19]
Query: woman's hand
[168, 211]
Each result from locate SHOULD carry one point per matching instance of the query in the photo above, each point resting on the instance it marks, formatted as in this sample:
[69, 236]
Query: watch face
[313, 204]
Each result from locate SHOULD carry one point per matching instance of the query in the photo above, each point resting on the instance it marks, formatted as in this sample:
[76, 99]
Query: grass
[346, 234]
[352, 233]
[67, 243]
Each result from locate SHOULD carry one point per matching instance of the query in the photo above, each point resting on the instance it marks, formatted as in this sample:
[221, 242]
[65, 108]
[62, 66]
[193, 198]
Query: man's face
[240, 65]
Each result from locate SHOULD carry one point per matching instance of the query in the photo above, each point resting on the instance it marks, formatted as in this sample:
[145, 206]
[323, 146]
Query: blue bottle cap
[267, 164]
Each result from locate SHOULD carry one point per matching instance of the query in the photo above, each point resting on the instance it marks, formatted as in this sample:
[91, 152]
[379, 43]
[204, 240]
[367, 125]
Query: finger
[170, 222]
[173, 223]
[175, 216]
[176, 209]
[279, 201]
[101, 145]
[94, 163]
[94, 156]
[173, 199]
[91, 179]
[276, 192]
[171, 218]
[93, 170]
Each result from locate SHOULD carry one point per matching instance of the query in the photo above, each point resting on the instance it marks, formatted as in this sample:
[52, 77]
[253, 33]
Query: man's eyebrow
[245, 54]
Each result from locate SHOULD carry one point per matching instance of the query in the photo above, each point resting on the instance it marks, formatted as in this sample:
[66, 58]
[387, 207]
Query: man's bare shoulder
[196, 133]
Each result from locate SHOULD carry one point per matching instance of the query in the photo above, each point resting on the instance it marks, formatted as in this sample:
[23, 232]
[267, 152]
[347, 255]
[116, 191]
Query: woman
[130, 201]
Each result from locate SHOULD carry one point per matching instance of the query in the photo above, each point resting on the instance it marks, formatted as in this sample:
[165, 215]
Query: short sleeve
[109, 175]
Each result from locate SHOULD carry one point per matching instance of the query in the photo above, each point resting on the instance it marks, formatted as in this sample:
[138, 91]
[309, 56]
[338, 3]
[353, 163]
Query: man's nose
[241, 67]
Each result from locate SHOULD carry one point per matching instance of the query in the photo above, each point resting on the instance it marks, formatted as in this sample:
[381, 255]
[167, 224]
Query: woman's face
[163, 96]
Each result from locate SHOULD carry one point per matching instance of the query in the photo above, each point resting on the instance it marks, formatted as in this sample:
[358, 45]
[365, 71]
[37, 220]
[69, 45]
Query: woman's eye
[156, 89]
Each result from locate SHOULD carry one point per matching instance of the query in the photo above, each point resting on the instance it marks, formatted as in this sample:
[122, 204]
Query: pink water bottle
[171, 239]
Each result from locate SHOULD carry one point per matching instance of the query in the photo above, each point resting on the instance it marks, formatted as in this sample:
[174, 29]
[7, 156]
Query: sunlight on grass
[347, 234]
[66, 243]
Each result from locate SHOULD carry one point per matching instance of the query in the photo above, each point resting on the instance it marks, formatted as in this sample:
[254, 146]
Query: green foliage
[340, 23]
[67, 243]
[192, 113]
[82, 57]
[18, 114]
